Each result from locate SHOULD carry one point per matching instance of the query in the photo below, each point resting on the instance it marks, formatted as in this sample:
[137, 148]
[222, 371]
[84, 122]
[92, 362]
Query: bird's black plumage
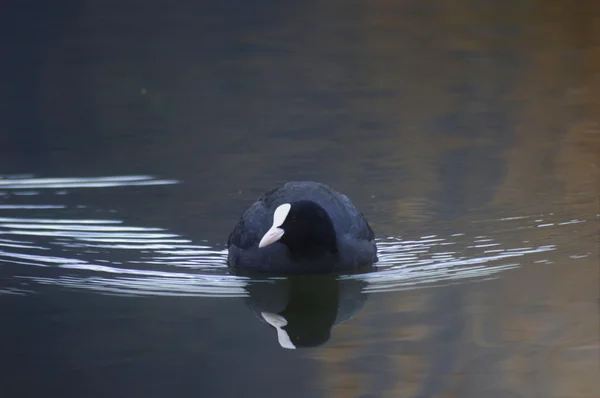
[324, 233]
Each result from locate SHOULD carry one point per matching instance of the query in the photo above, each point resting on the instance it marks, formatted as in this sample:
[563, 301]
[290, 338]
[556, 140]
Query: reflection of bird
[304, 308]
[302, 227]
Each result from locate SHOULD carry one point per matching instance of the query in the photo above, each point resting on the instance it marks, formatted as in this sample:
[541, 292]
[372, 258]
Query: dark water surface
[134, 134]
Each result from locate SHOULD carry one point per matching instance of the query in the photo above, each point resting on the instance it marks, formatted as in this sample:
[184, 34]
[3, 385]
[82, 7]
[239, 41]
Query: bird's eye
[293, 219]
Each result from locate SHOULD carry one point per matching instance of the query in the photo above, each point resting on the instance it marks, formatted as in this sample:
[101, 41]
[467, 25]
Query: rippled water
[109, 256]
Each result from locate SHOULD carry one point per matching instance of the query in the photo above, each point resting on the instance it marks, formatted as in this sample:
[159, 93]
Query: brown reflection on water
[534, 331]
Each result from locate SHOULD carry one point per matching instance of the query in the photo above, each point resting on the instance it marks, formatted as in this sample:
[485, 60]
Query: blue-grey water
[134, 134]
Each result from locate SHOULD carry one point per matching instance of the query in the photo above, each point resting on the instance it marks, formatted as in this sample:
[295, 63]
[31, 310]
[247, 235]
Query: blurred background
[466, 121]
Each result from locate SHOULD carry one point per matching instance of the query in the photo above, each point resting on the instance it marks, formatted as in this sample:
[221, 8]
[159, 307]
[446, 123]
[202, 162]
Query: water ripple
[107, 256]
[88, 182]
[110, 257]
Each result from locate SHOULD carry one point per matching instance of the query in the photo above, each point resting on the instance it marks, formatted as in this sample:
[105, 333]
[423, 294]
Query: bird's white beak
[272, 236]
[275, 233]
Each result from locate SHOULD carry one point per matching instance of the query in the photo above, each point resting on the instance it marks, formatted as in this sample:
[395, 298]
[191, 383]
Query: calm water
[134, 134]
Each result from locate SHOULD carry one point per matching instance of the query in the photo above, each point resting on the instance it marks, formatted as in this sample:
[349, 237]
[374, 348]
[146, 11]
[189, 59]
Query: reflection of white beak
[272, 236]
[278, 322]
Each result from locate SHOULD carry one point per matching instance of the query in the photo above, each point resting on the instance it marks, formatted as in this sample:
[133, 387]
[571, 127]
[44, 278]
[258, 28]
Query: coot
[302, 227]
